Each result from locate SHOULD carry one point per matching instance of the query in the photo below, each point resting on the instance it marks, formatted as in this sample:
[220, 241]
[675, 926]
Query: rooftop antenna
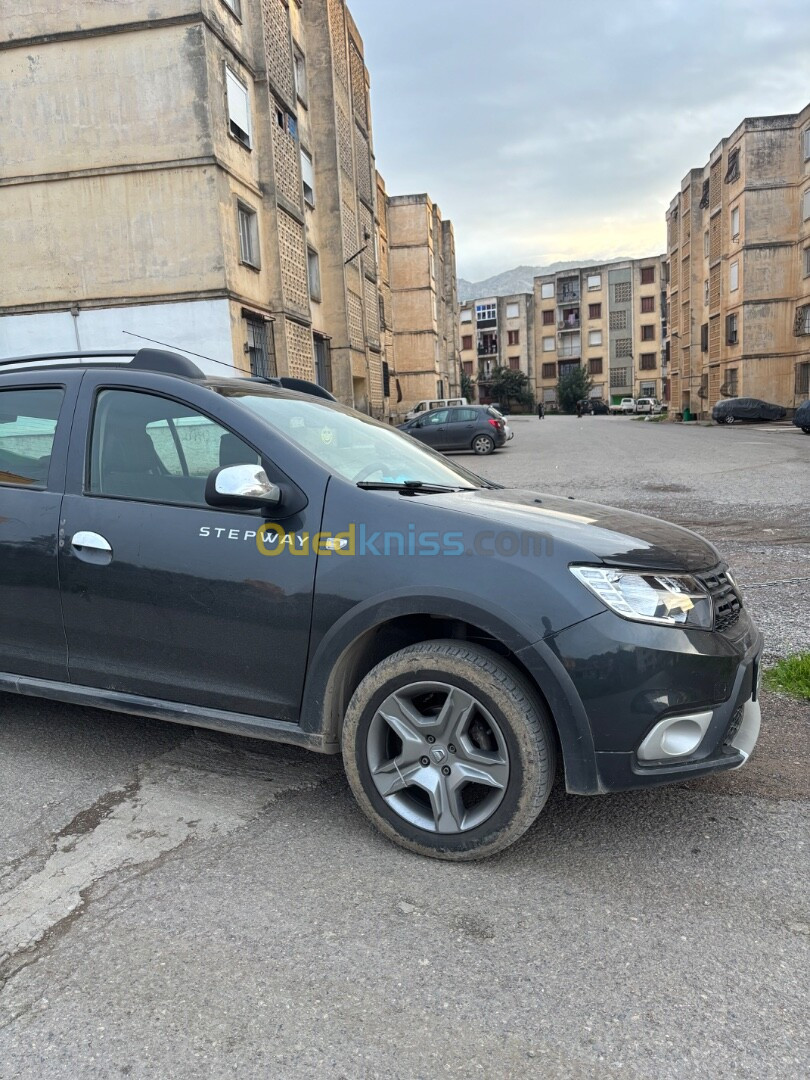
[179, 348]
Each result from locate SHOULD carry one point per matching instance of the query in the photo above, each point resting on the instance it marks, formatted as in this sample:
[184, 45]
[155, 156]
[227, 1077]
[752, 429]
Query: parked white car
[628, 405]
[427, 405]
[649, 405]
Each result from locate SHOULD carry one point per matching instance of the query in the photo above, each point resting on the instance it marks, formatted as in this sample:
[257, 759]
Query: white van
[435, 403]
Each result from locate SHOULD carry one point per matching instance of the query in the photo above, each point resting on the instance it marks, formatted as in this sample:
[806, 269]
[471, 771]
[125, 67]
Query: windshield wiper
[409, 487]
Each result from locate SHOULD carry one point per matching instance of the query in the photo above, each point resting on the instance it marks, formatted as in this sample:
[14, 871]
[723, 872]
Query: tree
[467, 386]
[573, 387]
[509, 386]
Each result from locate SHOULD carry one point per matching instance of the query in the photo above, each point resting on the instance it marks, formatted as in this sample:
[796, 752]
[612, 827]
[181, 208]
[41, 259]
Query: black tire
[806, 430]
[483, 444]
[523, 737]
[729, 419]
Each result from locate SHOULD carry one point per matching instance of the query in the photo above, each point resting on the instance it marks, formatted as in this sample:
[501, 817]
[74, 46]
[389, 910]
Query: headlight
[665, 599]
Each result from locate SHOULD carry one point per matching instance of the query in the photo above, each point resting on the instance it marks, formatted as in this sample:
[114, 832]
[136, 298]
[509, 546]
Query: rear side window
[27, 430]
[465, 416]
[152, 449]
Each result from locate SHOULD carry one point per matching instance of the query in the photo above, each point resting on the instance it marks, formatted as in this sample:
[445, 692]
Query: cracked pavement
[179, 903]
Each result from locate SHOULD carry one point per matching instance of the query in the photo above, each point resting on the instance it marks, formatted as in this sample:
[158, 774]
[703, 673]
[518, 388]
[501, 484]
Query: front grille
[727, 603]
[733, 728]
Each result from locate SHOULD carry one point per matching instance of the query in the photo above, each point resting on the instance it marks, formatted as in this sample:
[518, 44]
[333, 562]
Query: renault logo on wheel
[439, 754]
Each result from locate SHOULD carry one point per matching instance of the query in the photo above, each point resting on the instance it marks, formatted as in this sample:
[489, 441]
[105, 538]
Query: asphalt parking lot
[177, 903]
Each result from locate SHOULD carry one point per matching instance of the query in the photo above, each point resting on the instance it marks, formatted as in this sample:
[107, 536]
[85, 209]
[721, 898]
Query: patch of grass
[790, 676]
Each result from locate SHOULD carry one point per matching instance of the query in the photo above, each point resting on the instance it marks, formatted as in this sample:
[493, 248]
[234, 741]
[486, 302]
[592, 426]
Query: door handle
[92, 548]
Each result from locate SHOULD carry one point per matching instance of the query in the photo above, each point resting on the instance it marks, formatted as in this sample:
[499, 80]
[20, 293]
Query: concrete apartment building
[424, 301]
[496, 331]
[738, 238]
[610, 319]
[202, 175]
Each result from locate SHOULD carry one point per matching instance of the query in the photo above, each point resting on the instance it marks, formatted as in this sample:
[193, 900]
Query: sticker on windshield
[327, 436]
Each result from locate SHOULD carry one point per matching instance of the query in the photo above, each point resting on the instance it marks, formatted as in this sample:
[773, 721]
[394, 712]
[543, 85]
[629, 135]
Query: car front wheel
[483, 444]
[448, 750]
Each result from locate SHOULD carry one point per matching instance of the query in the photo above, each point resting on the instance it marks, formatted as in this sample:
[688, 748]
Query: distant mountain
[519, 280]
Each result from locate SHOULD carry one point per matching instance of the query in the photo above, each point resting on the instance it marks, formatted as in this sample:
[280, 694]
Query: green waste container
[687, 415]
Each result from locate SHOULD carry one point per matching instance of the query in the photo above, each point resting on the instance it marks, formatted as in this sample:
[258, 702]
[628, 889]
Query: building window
[647, 305]
[594, 282]
[514, 363]
[803, 320]
[308, 178]
[704, 195]
[547, 290]
[734, 276]
[706, 244]
[806, 205]
[648, 275]
[648, 332]
[548, 317]
[248, 235]
[803, 379]
[733, 170]
[486, 314]
[806, 139]
[466, 342]
[706, 293]
[731, 329]
[323, 363]
[594, 311]
[300, 74]
[467, 366]
[624, 348]
[548, 344]
[618, 320]
[622, 293]
[619, 376]
[512, 337]
[735, 223]
[466, 315]
[314, 274]
[648, 361]
[513, 311]
[732, 384]
[594, 337]
[595, 365]
[259, 347]
[549, 371]
[807, 261]
[238, 109]
[704, 337]
[235, 6]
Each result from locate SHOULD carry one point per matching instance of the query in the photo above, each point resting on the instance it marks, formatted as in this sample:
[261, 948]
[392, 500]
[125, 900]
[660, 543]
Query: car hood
[589, 530]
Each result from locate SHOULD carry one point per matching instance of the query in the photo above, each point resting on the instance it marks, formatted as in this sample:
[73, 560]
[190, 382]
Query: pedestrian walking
[579, 410]
[541, 412]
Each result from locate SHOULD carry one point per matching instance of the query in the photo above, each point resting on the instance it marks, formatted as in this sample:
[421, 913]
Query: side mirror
[245, 486]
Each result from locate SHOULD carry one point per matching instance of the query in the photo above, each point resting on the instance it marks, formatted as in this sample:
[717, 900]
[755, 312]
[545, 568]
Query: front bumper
[637, 683]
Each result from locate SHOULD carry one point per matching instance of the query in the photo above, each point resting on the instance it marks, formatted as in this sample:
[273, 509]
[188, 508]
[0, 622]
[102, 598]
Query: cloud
[542, 127]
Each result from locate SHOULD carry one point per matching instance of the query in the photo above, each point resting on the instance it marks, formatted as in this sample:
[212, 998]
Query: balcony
[487, 344]
[569, 319]
[568, 291]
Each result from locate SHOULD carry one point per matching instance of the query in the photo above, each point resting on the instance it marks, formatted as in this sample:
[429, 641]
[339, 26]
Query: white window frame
[706, 293]
[240, 125]
[314, 274]
[466, 315]
[486, 312]
[706, 244]
[513, 311]
[547, 290]
[549, 344]
[734, 276]
[300, 73]
[308, 177]
[235, 7]
[594, 337]
[735, 222]
[807, 262]
[247, 225]
[806, 140]
[594, 282]
[806, 205]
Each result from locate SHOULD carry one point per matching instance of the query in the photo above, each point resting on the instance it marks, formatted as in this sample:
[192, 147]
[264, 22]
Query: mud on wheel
[448, 750]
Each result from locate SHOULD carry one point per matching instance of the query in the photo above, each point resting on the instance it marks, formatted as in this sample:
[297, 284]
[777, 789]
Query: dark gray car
[479, 428]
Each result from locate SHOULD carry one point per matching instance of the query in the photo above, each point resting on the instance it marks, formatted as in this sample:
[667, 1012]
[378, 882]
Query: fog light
[674, 737]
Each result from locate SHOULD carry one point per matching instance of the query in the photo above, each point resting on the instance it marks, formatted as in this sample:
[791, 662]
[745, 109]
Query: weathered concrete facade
[738, 238]
[497, 331]
[424, 300]
[203, 175]
[609, 319]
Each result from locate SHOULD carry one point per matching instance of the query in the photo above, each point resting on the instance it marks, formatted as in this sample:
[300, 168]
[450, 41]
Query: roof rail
[169, 363]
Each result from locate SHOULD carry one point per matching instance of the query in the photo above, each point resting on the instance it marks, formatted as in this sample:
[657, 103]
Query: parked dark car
[746, 410]
[229, 554]
[802, 417]
[480, 428]
[597, 407]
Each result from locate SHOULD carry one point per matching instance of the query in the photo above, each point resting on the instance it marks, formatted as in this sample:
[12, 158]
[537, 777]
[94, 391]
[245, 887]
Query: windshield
[352, 445]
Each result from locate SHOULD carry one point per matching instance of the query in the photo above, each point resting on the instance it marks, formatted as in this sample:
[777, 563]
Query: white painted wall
[199, 326]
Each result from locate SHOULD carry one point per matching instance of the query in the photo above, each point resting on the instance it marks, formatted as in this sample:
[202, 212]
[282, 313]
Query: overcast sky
[561, 130]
